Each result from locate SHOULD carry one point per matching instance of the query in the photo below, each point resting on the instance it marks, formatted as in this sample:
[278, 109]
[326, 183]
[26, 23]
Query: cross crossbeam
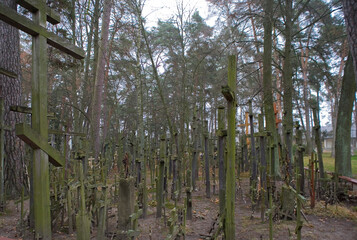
[27, 110]
[31, 5]
[58, 132]
[35, 141]
[11, 17]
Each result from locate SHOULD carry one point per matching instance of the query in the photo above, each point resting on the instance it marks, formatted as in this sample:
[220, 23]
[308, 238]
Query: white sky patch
[164, 9]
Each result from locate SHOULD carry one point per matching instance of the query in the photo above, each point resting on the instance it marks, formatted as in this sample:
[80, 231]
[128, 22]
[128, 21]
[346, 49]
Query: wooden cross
[37, 134]
[246, 124]
[277, 117]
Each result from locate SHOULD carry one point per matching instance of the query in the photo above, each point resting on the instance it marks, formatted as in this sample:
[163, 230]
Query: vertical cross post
[39, 124]
[222, 133]
[229, 94]
[205, 134]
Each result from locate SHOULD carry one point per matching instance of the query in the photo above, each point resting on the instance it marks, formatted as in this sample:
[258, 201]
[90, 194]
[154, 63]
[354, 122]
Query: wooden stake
[208, 186]
[229, 230]
[160, 182]
[222, 167]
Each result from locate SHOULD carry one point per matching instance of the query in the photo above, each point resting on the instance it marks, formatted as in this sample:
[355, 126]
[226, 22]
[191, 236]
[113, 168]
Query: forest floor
[331, 222]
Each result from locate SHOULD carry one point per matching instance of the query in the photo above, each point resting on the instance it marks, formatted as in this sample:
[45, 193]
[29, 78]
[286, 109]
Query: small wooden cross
[246, 124]
[277, 118]
[36, 135]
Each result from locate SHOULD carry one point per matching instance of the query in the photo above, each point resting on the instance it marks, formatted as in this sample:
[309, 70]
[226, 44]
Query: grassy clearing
[329, 163]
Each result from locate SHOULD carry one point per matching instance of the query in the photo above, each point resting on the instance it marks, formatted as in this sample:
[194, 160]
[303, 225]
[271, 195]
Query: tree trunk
[10, 88]
[288, 86]
[350, 12]
[99, 79]
[267, 83]
[343, 129]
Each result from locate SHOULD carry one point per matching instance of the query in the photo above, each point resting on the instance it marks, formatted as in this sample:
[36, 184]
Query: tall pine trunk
[267, 82]
[99, 79]
[10, 89]
[288, 85]
[350, 12]
[344, 121]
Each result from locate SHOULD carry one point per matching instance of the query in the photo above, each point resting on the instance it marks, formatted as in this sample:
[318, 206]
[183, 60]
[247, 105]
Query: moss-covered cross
[37, 134]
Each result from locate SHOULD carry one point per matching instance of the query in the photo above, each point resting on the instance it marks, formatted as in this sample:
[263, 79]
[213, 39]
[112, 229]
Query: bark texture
[350, 12]
[99, 78]
[288, 85]
[344, 121]
[267, 82]
[10, 89]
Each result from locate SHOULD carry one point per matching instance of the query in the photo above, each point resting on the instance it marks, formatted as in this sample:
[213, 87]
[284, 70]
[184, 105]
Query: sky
[164, 9]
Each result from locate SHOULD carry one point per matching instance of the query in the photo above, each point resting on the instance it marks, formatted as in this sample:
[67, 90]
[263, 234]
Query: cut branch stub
[8, 73]
[221, 133]
[228, 93]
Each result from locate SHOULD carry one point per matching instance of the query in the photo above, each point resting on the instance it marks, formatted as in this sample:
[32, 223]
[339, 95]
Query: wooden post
[102, 221]
[194, 151]
[317, 129]
[229, 95]
[214, 166]
[160, 182]
[263, 166]
[40, 125]
[126, 206]
[300, 158]
[82, 219]
[254, 170]
[298, 203]
[208, 186]
[145, 192]
[312, 182]
[174, 172]
[252, 144]
[270, 172]
[69, 210]
[222, 167]
[189, 196]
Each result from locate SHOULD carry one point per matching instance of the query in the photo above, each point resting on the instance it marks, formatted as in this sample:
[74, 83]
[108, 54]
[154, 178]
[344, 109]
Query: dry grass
[336, 211]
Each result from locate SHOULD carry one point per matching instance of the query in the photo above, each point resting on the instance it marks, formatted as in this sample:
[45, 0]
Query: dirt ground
[334, 222]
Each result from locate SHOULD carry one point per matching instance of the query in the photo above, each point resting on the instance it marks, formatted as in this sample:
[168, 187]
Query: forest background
[139, 79]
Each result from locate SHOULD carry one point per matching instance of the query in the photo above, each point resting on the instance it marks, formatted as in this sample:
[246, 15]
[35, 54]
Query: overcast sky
[164, 9]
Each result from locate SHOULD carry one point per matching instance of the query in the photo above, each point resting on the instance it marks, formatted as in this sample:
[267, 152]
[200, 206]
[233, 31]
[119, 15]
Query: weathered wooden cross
[37, 134]
[246, 124]
[277, 116]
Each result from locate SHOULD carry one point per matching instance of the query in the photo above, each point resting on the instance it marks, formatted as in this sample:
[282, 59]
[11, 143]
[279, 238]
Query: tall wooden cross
[37, 134]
